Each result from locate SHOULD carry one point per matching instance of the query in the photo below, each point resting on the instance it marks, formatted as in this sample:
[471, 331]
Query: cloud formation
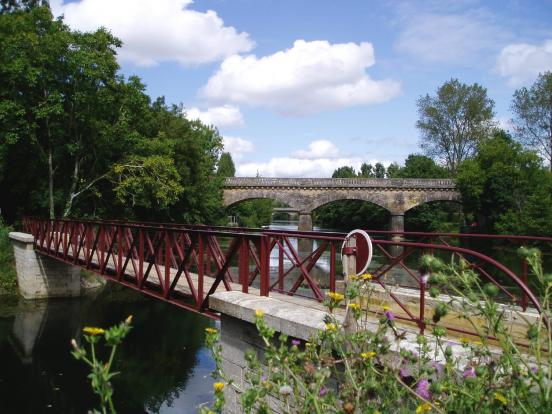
[160, 31]
[457, 38]
[319, 160]
[308, 77]
[226, 116]
[237, 146]
[522, 62]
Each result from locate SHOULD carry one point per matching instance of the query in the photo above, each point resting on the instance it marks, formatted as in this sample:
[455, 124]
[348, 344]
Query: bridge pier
[39, 276]
[397, 224]
[305, 221]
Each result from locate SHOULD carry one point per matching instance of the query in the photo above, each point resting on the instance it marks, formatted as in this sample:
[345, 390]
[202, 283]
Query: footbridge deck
[185, 265]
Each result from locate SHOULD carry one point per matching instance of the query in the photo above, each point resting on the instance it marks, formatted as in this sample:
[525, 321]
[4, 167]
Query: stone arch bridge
[306, 194]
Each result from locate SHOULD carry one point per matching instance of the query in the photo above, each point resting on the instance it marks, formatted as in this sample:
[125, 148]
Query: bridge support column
[397, 224]
[40, 276]
[305, 224]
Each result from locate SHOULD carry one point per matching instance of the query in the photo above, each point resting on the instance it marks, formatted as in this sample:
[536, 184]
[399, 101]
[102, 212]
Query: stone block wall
[40, 276]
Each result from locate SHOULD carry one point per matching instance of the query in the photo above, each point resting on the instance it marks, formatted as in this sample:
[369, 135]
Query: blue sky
[299, 88]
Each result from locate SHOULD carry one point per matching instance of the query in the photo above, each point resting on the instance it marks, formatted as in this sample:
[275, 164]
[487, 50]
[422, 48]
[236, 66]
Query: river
[164, 366]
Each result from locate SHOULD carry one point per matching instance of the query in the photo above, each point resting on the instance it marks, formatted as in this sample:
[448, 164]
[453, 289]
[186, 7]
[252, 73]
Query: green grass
[8, 275]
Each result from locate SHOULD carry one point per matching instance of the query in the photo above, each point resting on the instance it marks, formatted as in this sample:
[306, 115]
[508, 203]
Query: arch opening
[443, 216]
[349, 214]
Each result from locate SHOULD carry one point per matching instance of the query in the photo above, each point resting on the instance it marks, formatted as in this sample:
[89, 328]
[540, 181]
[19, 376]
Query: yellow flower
[366, 276]
[423, 408]
[464, 340]
[259, 313]
[386, 308]
[354, 278]
[211, 331]
[478, 343]
[128, 320]
[368, 355]
[331, 327]
[218, 386]
[337, 297]
[499, 397]
[92, 330]
[354, 306]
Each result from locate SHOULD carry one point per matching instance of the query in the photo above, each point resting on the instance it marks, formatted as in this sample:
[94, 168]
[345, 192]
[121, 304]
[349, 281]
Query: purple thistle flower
[390, 315]
[323, 391]
[404, 372]
[422, 389]
[469, 373]
[296, 342]
[534, 370]
[439, 368]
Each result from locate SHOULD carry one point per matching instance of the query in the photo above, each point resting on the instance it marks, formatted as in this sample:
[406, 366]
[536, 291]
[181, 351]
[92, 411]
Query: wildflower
[92, 330]
[366, 276]
[323, 391]
[464, 340]
[218, 386]
[211, 331]
[367, 355]
[404, 372]
[424, 279]
[128, 320]
[74, 344]
[354, 278]
[500, 397]
[285, 390]
[389, 315]
[423, 408]
[469, 373]
[336, 297]
[348, 407]
[259, 313]
[439, 368]
[331, 327]
[386, 308]
[422, 389]
[296, 342]
[354, 306]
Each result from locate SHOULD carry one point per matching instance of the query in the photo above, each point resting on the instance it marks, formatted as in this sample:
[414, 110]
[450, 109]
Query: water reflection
[165, 368]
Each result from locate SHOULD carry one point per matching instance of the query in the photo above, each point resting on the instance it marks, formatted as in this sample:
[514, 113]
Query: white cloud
[226, 116]
[309, 77]
[319, 160]
[458, 38]
[521, 62]
[154, 32]
[237, 146]
[318, 149]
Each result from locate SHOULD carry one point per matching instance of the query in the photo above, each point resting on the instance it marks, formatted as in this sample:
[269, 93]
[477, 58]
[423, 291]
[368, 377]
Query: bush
[8, 275]
[361, 370]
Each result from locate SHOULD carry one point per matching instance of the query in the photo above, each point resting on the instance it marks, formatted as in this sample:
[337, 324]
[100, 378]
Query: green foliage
[506, 188]
[253, 213]
[101, 372]
[8, 275]
[344, 172]
[368, 368]
[99, 147]
[226, 167]
[454, 121]
[533, 115]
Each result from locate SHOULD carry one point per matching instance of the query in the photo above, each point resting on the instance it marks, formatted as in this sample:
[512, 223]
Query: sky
[298, 88]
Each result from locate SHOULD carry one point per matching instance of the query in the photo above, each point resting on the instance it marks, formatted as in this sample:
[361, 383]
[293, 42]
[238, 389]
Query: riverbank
[8, 275]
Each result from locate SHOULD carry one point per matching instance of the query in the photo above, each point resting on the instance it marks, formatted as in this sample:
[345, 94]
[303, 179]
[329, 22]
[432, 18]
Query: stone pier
[39, 276]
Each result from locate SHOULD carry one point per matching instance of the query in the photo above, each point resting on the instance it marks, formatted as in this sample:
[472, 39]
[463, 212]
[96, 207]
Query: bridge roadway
[307, 194]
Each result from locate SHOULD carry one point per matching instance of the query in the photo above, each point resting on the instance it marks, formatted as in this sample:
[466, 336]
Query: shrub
[368, 371]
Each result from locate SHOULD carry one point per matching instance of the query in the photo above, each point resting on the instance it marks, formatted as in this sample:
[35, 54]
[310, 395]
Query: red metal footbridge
[185, 264]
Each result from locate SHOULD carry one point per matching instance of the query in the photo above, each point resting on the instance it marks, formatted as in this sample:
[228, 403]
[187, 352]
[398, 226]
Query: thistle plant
[374, 369]
[101, 372]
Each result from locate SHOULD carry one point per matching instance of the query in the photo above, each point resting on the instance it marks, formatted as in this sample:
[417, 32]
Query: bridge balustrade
[185, 264]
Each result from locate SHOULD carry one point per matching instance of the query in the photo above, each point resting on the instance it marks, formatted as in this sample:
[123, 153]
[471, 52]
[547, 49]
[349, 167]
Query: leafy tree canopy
[454, 121]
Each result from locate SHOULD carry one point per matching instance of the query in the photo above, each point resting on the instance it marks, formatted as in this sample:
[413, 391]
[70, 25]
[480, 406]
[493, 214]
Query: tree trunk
[71, 196]
[51, 183]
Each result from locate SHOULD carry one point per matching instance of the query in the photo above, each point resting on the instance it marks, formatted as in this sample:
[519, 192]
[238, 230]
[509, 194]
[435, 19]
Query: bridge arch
[331, 197]
[433, 198]
[233, 199]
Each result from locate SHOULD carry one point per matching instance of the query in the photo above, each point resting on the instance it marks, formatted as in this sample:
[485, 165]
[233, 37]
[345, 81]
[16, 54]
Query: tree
[344, 172]
[533, 115]
[506, 188]
[454, 121]
[226, 167]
